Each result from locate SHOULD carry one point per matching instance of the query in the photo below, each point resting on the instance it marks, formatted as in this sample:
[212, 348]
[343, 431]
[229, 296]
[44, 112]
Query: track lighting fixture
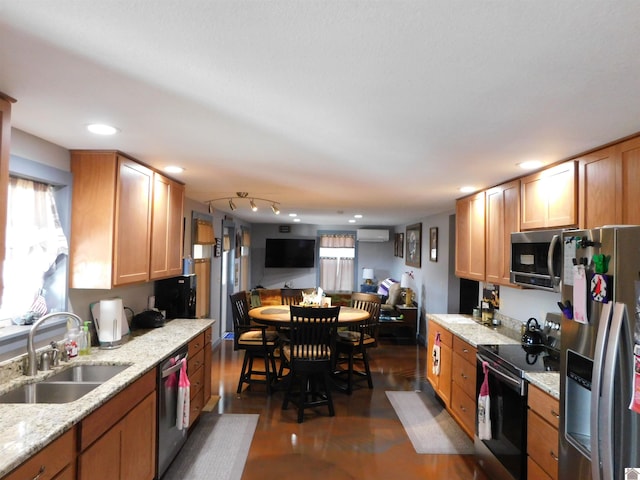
[252, 202]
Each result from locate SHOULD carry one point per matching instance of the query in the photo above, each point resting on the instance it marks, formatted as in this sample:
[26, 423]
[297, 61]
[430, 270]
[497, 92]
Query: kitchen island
[27, 428]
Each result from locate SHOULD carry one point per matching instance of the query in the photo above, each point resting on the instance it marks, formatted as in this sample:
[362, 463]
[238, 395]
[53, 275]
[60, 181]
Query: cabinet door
[166, 228]
[202, 268]
[470, 237]
[599, 202]
[446, 367]
[207, 370]
[5, 137]
[502, 217]
[132, 223]
[101, 461]
[431, 377]
[629, 153]
[139, 440]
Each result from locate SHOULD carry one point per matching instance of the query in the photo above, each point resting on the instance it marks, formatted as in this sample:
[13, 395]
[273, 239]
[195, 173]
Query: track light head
[275, 209]
[254, 207]
[232, 205]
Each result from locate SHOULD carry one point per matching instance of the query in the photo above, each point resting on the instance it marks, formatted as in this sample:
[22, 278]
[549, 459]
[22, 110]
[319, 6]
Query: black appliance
[536, 259]
[148, 319]
[177, 296]
[504, 456]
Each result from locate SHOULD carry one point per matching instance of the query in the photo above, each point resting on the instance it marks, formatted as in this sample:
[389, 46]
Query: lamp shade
[405, 280]
[367, 273]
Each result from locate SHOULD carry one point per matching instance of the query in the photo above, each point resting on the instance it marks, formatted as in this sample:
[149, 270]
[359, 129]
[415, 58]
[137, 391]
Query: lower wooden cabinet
[463, 388]
[199, 370]
[56, 461]
[542, 435]
[118, 440]
[441, 382]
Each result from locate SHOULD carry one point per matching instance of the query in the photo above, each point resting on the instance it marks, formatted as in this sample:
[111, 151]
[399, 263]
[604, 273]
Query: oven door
[504, 456]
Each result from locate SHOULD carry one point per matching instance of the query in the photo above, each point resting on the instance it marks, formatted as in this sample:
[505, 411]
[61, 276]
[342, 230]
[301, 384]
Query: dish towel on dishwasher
[435, 368]
[184, 398]
[484, 406]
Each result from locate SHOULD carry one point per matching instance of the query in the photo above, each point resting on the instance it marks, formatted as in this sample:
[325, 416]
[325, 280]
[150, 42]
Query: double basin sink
[65, 386]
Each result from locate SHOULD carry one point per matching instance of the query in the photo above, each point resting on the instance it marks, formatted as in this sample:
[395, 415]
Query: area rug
[428, 425]
[216, 449]
[228, 336]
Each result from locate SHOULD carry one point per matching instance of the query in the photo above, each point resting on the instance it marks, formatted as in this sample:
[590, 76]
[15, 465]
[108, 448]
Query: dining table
[279, 315]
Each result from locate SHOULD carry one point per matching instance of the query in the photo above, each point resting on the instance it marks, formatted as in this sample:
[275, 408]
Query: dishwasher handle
[174, 368]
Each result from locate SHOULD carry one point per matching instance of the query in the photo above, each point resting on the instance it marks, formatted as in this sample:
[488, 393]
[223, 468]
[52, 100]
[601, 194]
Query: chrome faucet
[32, 362]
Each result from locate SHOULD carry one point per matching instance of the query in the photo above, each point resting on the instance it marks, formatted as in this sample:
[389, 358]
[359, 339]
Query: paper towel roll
[110, 321]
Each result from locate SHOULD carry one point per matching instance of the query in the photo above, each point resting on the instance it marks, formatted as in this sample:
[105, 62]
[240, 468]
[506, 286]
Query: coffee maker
[176, 296]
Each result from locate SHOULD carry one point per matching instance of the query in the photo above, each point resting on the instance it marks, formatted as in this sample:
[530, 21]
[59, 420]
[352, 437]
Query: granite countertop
[27, 428]
[474, 333]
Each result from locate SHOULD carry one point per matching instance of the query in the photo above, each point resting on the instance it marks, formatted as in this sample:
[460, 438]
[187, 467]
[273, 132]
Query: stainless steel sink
[87, 373]
[65, 386]
[47, 392]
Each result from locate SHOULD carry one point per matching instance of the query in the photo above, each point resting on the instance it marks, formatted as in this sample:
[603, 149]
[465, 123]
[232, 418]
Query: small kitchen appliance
[177, 296]
[110, 320]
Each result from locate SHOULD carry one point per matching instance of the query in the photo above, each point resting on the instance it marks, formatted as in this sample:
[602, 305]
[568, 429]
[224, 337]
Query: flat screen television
[290, 253]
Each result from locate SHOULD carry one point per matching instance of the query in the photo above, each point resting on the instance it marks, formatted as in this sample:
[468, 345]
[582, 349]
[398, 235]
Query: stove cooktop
[520, 358]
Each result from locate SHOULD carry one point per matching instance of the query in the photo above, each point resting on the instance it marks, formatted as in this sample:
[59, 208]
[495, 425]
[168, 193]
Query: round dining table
[278, 315]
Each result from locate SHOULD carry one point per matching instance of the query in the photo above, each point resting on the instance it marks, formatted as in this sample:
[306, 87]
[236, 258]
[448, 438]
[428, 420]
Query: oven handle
[173, 368]
[504, 376]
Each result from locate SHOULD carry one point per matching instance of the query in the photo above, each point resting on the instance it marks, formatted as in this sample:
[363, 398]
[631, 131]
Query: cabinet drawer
[196, 344]
[195, 362]
[446, 337]
[208, 333]
[196, 405]
[197, 381]
[464, 408]
[464, 374]
[544, 405]
[542, 444]
[535, 472]
[465, 350]
[49, 461]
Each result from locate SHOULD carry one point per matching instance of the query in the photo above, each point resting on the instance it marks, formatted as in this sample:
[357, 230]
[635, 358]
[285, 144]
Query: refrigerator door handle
[606, 406]
[596, 386]
[552, 246]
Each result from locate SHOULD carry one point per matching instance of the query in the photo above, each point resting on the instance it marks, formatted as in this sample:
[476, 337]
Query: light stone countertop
[474, 333]
[27, 428]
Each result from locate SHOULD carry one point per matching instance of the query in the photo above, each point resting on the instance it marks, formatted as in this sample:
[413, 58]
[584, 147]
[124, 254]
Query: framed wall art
[433, 244]
[413, 238]
[398, 245]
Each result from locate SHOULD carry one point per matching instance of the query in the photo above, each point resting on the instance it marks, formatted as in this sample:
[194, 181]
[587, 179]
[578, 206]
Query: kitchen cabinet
[166, 227]
[463, 389]
[5, 140]
[202, 269]
[199, 370]
[56, 461]
[609, 191]
[111, 222]
[549, 198]
[502, 217]
[118, 441]
[542, 434]
[470, 237]
[441, 383]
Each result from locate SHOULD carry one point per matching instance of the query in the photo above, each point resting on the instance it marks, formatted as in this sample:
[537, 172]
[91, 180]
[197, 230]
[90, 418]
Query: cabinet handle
[40, 472]
[463, 375]
[464, 350]
[555, 414]
[462, 408]
[553, 455]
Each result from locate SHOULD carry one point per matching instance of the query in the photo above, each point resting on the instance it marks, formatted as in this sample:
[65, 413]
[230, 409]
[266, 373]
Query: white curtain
[337, 273]
[35, 241]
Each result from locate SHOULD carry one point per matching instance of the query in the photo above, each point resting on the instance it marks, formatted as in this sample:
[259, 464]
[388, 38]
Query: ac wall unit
[371, 235]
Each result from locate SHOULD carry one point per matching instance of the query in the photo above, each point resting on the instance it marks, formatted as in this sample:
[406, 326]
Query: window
[337, 254]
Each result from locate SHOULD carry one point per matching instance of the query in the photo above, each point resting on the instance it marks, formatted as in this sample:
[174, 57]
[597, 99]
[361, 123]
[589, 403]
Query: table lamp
[405, 281]
[367, 275]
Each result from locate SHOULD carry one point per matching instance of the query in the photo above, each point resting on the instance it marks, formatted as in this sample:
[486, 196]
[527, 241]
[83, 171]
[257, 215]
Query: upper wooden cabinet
[166, 227]
[5, 138]
[470, 237]
[609, 190]
[502, 216]
[548, 198]
[111, 222]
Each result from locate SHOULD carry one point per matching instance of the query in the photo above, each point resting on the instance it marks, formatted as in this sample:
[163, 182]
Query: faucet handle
[55, 354]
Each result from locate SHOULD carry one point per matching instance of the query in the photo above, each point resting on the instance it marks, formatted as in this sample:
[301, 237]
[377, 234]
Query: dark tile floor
[365, 440]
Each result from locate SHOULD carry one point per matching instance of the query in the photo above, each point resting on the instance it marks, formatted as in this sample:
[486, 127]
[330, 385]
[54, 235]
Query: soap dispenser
[85, 340]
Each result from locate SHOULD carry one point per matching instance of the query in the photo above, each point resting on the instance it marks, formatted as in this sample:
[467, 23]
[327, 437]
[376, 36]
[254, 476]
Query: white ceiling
[331, 107]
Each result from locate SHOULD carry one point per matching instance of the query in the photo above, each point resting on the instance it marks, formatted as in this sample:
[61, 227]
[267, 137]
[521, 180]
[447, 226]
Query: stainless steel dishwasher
[170, 438]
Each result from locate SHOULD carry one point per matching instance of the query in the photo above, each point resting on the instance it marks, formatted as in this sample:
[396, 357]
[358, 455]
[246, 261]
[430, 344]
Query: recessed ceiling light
[351, 220]
[101, 129]
[357, 215]
[293, 214]
[467, 189]
[173, 169]
[296, 219]
[530, 164]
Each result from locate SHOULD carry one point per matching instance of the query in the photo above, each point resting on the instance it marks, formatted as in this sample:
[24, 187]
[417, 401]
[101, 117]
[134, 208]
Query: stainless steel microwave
[536, 259]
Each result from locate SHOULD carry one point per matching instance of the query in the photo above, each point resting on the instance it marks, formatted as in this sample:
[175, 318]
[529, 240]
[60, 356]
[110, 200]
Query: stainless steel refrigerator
[599, 433]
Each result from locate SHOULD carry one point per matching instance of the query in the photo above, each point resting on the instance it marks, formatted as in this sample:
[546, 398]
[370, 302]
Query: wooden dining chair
[355, 340]
[256, 341]
[291, 296]
[312, 335]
